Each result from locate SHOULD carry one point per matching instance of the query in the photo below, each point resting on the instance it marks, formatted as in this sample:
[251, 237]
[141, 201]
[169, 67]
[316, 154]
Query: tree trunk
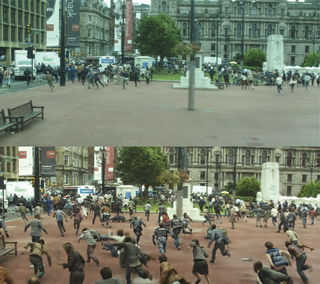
[161, 63]
[156, 64]
[140, 193]
[146, 192]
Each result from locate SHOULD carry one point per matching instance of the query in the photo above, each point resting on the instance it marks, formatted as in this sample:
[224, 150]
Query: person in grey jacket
[86, 234]
[283, 220]
[176, 225]
[259, 213]
[200, 263]
[221, 241]
[107, 278]
[269, 276]
[134, 258]
[36, 227]
[137, 227]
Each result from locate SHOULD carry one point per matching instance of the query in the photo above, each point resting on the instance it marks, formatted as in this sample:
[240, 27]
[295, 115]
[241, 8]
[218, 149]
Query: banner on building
[117, 25]
[52, 22]
[98, 163]
[109, 163]
[73, 22]
[25, 155]
[48, 161]
[128, 34]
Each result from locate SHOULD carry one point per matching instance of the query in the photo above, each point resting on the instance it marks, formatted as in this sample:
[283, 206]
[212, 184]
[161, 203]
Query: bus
[104, 61]
[82, 190]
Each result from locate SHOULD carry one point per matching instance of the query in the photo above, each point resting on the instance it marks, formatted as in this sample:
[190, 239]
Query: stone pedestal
[187, 205]
[119, 78]
[275, 52]
[270, 181]
[200, 82]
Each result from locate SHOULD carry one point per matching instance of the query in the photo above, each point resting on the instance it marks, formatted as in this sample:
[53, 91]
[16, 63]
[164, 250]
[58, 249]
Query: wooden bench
[11, 124]
[7, 250]
[27, 112]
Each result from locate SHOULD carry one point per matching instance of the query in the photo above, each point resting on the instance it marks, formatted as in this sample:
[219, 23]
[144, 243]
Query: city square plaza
[247, 242]
[154, 114]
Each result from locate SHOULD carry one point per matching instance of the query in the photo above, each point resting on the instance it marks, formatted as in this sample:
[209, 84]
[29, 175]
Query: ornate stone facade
[298, 22]
[294, 165]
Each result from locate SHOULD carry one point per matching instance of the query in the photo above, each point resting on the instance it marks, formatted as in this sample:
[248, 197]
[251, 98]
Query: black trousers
[76, 277]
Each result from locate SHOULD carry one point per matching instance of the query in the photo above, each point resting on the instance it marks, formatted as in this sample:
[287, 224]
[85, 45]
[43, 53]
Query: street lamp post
[313, 41]
[311, 168]
[242, 36]
[122, 33]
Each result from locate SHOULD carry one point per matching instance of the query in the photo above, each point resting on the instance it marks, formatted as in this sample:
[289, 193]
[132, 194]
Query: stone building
[96, 28]
[14, 17]
[220, 25]
[216, 164]
[72, 166]
[141, 10]
[9, 170]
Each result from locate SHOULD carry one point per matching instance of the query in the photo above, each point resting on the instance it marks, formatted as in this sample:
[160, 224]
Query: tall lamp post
[313, 41]
[311, 167]
[122, 32]
[218, 20]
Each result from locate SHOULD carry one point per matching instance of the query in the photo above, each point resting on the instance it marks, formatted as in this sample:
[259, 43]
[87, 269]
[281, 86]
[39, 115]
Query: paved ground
[247, 241]
[157, 115]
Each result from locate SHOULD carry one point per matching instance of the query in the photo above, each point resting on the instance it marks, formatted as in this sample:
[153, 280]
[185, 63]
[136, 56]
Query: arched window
[254, 9]
[269, 30]
[213, 30]
[230, 157]
[306, 32]
[304, 160]
[293, 32]
[318, 161]
[264, 157]
[270, 13]
[238, 30]
[171, 156]
[184, 30]
[254, 31]
[164, 7]
[247, 158]
[202, 157]
[289, 159]
[239, 10]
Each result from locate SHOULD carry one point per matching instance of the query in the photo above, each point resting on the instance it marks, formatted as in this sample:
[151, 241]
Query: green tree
[254, 57]
[311, 189]
[237, 58]
[248, 187]
[141, 166]
[311, 60]
[157, 36]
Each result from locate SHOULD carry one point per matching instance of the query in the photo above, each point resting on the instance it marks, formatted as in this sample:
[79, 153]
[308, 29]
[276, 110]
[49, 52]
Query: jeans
[24, 218]
[206, 219]
[301, 266]
[77, 225]
[96, 213]
[217, 246]
[147, 214]
[304, 220]
[112, 249]
[138, 269]
[274, 219]
[106, 216]
[279, 88]
[8, 81]
[258, 220]
[291, 224]
[176, 232]
[73, 77]
[90, 254]
[306, 84]
[160, 214]
[61, 227]
[38, 265]
[49, 209]
[210, 209]
[98, 80]
[284, 225]
[35, 239]
[138, 233]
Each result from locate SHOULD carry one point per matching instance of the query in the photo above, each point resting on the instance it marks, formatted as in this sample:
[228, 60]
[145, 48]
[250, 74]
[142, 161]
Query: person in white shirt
[279, 82]
[274, 214]
[125, 203]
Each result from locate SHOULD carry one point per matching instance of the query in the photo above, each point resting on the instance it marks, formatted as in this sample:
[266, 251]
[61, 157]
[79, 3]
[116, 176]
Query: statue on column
[196, 37]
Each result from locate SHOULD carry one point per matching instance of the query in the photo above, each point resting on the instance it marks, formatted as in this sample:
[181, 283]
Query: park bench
[27, 112]
[11, 124]
[7, 250]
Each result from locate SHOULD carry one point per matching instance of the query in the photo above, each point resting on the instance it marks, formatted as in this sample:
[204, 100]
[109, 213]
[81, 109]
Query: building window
[202, 175]
[282, 13]
[184, 30]
[269, 30]
[293, 61]
[304, 160]
[264, 157]
[89, 18]
[5, 33]
[270, 10]
[289, 190]
[306, 32]
[171, 157]
[254, 31]
[306, 49]
[26, 4]
[247, 158]
[202, 157]
[66, 178]
[13, 16]
[13, 34]
[5, 14]
[212, 31]
[289, 160]
[238, 30]
[230, 157]
[282, 32]
[66, 160]
[304, 178]
[293, 48]
[254, 9]
[318, 161]
[213, 47]
[293, 32]
[89, 33]
[164, 7]
[289, 177]
[318, 178]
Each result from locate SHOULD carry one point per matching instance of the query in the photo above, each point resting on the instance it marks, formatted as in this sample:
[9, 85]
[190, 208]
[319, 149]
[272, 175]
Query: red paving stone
[247, 241]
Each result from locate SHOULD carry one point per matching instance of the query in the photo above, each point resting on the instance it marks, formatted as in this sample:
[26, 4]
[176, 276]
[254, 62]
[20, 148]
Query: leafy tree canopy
[141, 166]
[157, 35]
[311, 60]
[311, 189]
[248, 187]
[254, 57]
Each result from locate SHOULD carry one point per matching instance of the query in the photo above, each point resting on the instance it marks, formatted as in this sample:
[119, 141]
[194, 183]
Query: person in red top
[77, 220]
[313, 214]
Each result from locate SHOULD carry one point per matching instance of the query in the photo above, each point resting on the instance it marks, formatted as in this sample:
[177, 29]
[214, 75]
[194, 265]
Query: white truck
[48, 58]
[21, 63]
[19, 188]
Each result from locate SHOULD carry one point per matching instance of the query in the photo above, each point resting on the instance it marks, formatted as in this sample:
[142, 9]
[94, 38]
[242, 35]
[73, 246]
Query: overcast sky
[134, 1]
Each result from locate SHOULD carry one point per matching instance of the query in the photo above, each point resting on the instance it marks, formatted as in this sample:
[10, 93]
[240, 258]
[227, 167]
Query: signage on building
[48, 161]
[73, 22]
[52, 23]
[117, 25]
[109, 163]
[128, 32]
[25, 161]
[97, 163]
